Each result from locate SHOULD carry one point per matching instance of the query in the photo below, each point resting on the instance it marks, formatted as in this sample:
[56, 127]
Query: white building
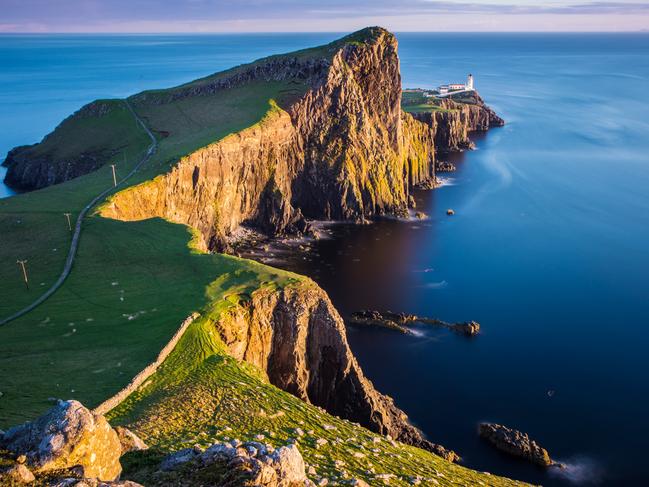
[445, 89]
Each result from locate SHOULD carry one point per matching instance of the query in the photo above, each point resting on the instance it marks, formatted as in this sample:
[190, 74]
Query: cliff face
[344, 150]
[299, 339]
[455, 121]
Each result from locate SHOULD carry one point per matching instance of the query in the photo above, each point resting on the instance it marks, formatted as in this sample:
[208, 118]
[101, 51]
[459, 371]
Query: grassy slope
[415, 101]
[201, 395]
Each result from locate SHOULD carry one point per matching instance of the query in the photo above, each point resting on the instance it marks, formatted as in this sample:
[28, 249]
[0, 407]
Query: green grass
[416, 102]
[81, 343]
[201, 395]
[33, 226]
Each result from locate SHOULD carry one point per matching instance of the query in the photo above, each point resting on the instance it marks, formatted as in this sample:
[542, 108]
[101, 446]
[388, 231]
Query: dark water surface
[548, 249]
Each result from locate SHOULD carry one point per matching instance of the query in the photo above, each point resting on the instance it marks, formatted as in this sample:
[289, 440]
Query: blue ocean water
[548, 248]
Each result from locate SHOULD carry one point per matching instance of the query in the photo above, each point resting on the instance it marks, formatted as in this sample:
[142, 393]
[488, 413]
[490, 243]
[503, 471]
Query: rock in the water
[515, 443]
[450, 212]
[15, 475]
[420, 215]
[68, 435]
[129, 440]
[469, 328]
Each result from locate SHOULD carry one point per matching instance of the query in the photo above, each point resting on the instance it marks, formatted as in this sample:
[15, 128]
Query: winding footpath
[77, 228]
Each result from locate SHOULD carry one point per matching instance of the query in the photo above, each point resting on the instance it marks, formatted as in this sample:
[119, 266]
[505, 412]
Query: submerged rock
[68, 435]
[515, 443]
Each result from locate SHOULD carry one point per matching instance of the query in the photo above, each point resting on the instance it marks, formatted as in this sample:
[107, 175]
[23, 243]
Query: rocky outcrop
[129, 440]
[402, 321]
[247, 464]
[67, 436]
[36, 166]
[16, 474]
[515, 443]
[344, 150]
[299, 339]
[454, 121]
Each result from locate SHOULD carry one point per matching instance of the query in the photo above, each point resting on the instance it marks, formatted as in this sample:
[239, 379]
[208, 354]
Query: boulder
[515, 443]
[259, 464]
[75, 482]
[289, 464]
[66, 436]
[16, 475]
[129, 440]
[177, 459]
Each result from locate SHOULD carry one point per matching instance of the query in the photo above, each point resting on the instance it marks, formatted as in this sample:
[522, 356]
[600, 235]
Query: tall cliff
[343, 150]
[454, 121]
[299, 339]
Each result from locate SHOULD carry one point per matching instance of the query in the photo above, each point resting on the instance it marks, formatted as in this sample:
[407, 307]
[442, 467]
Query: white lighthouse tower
[469, 82]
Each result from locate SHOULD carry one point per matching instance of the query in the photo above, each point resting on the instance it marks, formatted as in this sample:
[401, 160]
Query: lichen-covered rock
[179, 458]
[16, 475]
[515, 443]
[75, 482]
[67, 435]
[249, 464]
[129, 440]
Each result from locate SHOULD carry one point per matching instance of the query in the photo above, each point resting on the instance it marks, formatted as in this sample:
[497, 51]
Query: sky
[203, 16]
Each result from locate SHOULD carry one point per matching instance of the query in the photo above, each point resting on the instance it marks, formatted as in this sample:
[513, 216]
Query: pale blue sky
[321, 15]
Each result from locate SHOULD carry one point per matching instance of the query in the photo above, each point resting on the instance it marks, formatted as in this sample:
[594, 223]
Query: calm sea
[548, 248]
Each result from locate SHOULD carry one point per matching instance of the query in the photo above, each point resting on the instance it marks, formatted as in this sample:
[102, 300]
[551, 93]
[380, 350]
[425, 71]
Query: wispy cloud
[333, 15]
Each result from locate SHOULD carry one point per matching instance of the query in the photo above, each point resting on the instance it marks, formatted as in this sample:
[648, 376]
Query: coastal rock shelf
[515, 443]
[400, 322]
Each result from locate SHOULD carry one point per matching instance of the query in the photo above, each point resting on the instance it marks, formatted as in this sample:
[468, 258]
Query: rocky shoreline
[401, 321]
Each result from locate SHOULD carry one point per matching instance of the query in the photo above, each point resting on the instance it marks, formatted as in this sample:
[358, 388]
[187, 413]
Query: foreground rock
[129, 440]
[250, 463]
[74, 482]
[16, 475]
[67, 436]
[515, 443]
[400, 322]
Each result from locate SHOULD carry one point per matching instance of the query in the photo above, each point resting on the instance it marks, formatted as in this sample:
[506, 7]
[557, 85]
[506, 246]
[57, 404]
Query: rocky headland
[342, 150]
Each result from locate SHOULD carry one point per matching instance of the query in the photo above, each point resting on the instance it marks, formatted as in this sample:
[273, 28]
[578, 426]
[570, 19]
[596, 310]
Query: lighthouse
[469, 82]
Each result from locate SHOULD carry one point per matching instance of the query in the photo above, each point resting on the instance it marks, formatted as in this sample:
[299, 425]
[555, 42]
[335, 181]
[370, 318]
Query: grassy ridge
[201, 395]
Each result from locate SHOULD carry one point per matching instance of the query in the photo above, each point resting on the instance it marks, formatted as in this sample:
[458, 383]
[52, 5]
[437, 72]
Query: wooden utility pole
[67, 215]
[22, 264]
[114, 177]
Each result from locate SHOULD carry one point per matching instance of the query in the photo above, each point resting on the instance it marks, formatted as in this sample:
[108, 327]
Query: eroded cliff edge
[298, 338]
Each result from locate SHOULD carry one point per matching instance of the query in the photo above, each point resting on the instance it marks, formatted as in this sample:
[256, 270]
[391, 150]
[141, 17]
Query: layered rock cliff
[299, 339]
[344, 150]
[454, 121]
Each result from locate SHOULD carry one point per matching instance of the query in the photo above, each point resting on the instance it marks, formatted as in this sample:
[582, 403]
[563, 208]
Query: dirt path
[77, 228]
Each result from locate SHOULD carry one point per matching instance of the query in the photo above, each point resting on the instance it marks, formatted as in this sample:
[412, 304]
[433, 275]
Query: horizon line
[41, 33]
